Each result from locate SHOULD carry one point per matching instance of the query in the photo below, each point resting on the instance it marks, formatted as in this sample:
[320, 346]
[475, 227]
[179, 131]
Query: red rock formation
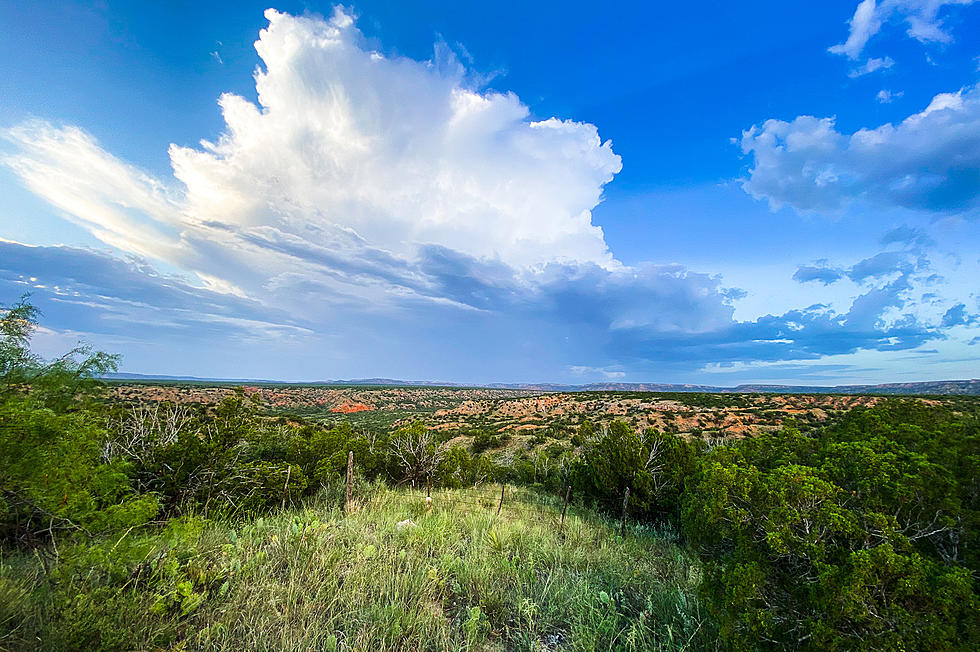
[347, 408]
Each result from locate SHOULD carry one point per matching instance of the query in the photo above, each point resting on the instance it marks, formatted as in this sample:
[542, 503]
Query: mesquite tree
[416, 452]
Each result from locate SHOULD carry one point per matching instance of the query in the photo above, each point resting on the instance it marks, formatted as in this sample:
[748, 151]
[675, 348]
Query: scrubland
[851, 524]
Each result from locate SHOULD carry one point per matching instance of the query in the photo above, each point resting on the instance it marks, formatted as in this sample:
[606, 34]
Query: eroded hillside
[520, 412]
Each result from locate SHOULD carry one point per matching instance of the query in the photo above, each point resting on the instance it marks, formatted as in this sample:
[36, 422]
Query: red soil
[347, 408]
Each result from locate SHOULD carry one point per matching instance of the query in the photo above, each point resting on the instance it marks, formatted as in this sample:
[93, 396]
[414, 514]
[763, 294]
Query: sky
[754, 192]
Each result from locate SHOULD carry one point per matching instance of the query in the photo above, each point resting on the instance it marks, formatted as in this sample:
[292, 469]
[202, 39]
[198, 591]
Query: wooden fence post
[285, 487]
[501, 503]
[350, 482]
[626, 500]
[428, 494]
[568, 493]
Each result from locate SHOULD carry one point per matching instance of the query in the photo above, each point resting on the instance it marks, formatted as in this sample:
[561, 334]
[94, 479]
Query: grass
[457, 577]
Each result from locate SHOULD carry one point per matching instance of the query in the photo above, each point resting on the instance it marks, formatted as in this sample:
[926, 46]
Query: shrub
[652, 465]
[844, 540]
[483, 441]
[53, 474]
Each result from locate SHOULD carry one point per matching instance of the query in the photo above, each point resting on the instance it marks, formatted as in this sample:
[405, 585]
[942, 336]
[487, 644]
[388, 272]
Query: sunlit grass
[456, 577]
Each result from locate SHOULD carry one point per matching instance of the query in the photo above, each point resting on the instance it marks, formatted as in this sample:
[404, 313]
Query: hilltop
[391, 575]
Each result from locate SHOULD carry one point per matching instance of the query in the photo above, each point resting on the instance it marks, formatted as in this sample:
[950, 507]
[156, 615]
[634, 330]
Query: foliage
[652, 465]
[53, 474]
[848, 539]
[315, 578]
[459, 469]
[859, 533]
[483, 440]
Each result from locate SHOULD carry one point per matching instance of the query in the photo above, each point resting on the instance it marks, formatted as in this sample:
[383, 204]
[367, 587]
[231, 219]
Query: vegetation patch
[457, 577]
[178, 525]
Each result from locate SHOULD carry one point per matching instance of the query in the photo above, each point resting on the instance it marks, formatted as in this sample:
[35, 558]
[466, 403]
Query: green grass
[314, 578]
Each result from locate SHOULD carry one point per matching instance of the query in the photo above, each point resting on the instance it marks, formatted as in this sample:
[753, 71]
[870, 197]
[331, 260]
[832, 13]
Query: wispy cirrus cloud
[923, 21]
[871, 65]
[98, 292]
[118, 203]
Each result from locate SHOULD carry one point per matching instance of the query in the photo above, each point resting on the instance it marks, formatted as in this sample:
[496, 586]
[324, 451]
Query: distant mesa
[348, 408]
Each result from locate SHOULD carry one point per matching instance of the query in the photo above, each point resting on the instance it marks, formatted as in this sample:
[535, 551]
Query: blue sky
[749, 192]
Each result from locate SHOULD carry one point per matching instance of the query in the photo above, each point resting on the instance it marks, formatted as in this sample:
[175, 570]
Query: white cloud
[885, 96]
[397, 151]
[118, 203]
[872, 65]
[368, 200]
[864, 24]
[350, 153]
[604, 373]
[921, 18]
[930, 161]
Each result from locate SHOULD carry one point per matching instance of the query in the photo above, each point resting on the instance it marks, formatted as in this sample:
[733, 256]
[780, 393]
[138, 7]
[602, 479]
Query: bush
[483, 441]
[845, 540]
[53, 474]
[653, 465]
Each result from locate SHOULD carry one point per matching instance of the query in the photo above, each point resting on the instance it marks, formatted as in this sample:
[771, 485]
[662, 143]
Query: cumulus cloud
[909, 236]
[958, 316]
[399, 152]
[368, 199]
[921, 17]
[883, 264]
[881, 305]
[803, 334]
[654, 313]
[930, 161]
[346, 145]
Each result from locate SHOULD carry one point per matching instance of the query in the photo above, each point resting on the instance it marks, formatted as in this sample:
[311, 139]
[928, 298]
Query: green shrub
[54, 478]
[652, 465]
[483, 441]
[844, 540]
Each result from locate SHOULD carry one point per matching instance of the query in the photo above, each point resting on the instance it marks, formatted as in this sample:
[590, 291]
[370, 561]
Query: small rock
[407, 523]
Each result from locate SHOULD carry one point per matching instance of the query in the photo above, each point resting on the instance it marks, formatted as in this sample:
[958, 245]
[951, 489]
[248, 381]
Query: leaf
[191, 603]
